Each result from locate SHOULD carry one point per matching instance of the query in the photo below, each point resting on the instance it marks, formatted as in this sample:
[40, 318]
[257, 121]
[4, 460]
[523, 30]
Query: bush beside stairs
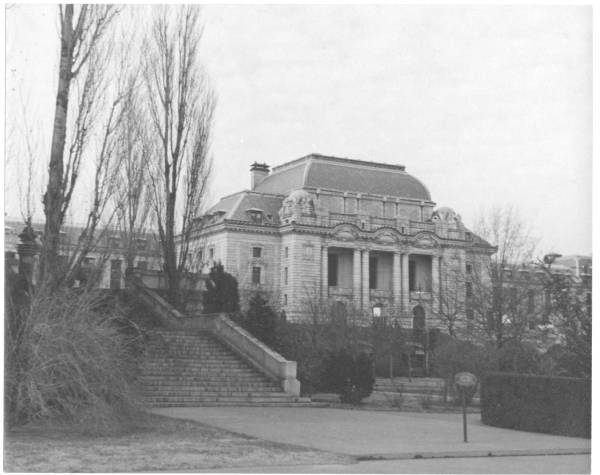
[193, 368]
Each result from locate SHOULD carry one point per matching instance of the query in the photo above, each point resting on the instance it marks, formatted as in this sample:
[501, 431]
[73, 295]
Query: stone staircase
[193, 368]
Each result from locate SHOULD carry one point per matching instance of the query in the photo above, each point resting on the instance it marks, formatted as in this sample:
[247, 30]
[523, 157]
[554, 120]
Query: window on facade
[513, 298]
[255, 216]
[372, 272]
[287, 251]
[284, 299]
[530, 301]
[142, 265]
[469, 269]
[412, 276]
[469, 289]
[285, 276]
[256, 251]
[332, 270]
[200, 256]
[140, 244]
[308, 252]
[211, 253]
[548, 306]
[588, 303]
[256, 275]
[468, 236]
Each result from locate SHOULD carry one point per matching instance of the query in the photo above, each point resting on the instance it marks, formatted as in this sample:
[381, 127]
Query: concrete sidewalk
[379, 435]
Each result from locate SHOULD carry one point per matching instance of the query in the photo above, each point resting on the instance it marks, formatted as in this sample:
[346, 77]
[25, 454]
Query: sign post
[465, 382]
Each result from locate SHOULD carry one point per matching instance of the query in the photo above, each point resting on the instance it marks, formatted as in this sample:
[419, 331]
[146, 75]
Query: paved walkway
[559, 464]
[379, 435]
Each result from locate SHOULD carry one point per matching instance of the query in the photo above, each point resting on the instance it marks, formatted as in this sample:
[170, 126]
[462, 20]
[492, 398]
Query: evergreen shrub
[552, 405]
[350, 375]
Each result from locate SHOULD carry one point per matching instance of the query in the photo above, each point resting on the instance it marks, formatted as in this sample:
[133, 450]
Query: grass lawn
[155, 444]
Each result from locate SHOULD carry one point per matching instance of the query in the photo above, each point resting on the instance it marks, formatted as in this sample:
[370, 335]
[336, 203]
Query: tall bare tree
[450, 298]
[499, 301]
[132, 197]
[80, 37]
[181, 105]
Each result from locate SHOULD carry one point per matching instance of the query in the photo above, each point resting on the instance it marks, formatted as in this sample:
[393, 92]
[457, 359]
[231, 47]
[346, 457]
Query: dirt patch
[156, 444]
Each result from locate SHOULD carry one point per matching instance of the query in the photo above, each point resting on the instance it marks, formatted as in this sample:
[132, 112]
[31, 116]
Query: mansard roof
[237, 205]
[345, 175]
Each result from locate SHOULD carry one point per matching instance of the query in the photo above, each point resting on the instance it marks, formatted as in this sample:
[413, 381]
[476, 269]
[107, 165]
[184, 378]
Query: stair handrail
[257, 353]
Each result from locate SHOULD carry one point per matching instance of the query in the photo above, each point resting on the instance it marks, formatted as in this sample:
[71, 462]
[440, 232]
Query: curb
[471, 454]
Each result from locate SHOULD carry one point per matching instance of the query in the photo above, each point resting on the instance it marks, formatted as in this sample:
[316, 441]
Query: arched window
[418, 318]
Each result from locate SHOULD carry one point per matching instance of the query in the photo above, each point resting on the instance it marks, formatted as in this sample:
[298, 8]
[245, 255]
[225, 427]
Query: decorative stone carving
[447, 216]
[298, 203]
[386, 237]
[425, 241]
[345, 233]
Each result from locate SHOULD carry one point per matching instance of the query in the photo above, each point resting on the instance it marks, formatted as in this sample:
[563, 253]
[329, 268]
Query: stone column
[324, 273]
[405, 287]
[397, 281]
[29, 249]
[435, 283]
[366, 297]
[356, 279]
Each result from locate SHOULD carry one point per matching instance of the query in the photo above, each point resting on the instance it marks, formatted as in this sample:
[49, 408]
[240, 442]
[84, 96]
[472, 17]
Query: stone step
[212, 394]
[206, 372]
[195, 364]
[282, 397]
[225, 380]
[238, 404]
[183, 369]
[227, 360]
[213, 387]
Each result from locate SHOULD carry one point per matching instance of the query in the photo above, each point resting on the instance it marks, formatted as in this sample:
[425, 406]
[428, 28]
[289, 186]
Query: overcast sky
[486, 105]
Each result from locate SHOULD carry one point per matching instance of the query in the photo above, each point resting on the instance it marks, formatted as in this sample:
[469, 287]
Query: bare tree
[181, 105]
[450, 299]
[132, 191]
[499, 301]
[80, 37]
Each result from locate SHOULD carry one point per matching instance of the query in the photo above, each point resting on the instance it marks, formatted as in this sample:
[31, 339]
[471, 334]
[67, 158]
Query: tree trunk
[53, 198]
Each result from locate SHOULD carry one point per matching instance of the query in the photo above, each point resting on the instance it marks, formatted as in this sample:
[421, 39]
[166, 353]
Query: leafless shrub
[67, 356]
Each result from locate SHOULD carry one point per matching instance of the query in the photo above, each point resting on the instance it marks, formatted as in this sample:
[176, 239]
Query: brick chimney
[258, 172]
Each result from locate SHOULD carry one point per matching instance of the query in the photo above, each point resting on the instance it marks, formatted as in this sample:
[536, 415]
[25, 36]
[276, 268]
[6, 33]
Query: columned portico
[365, 280]
[356, 279]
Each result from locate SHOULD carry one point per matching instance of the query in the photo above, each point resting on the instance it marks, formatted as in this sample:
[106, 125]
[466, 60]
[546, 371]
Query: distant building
[359, 234]
[108, 253]
[527, 285]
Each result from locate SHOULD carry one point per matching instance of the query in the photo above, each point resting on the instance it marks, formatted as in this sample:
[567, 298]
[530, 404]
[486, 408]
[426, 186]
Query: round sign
[465, 379]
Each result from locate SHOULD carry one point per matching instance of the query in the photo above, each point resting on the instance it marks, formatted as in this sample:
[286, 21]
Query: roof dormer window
[255, 215]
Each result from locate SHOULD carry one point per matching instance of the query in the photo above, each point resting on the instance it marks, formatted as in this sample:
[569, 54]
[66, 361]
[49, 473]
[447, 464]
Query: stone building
[108, 255]
[363, 235]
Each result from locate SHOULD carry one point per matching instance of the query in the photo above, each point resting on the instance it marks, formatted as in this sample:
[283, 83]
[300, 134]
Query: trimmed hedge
[546, 404]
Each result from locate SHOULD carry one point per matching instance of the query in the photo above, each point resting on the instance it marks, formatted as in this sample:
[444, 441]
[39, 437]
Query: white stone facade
[361, 233]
